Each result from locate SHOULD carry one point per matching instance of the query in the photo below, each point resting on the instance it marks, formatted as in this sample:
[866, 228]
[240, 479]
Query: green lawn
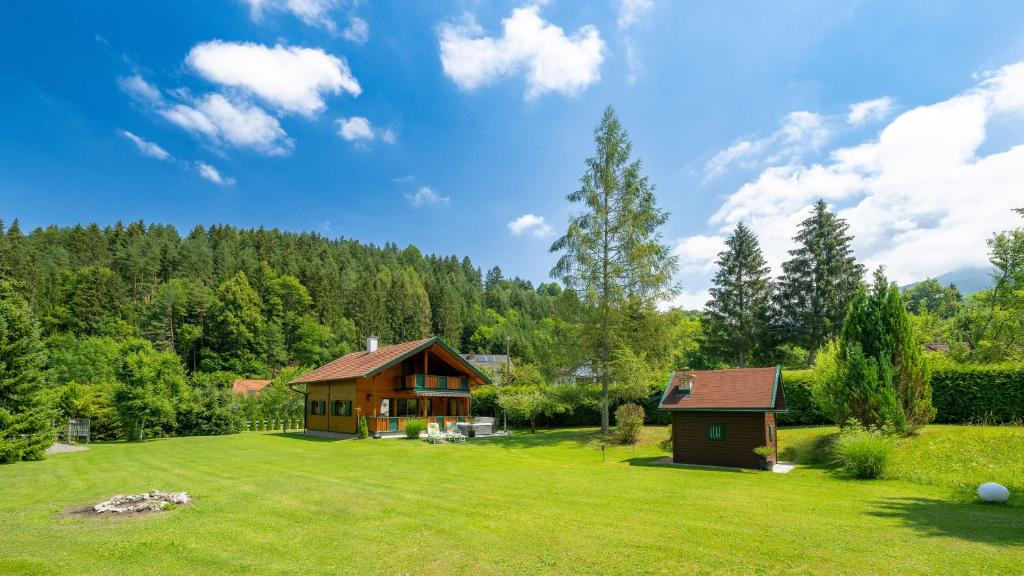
[530, 504]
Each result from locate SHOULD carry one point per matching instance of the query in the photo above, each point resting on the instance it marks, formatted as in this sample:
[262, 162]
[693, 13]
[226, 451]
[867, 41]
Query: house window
[342, 407]
[385, 407]
[317, 407]
[406, 407]
[716, 432]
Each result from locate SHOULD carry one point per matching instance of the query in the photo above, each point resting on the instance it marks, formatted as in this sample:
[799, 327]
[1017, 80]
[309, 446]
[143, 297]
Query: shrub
[863, 452]
[798, 386]
[763, 451]
[629, 419]
[965, 394]
[364, 430]
[414, 427]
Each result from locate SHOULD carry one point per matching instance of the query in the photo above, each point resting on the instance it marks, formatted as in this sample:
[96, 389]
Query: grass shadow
[814, 451]
[660, 462]
[987, 523]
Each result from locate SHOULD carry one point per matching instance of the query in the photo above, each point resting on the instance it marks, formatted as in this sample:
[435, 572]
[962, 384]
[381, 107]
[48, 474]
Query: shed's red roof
[359, 364]
[249, 386]
[754, 389]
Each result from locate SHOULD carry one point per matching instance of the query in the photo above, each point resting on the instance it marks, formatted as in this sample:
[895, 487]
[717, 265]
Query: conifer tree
[819, 280]
[612, 250]
[24, 423]
[738, 316]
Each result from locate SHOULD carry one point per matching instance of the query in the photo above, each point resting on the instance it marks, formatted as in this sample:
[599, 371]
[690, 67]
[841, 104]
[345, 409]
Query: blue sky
[460, 127]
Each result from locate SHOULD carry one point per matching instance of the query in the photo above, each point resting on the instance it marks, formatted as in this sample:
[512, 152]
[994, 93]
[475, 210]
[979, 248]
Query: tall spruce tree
[819, 280]
[738, 316]
[612, 250]
[25, 430]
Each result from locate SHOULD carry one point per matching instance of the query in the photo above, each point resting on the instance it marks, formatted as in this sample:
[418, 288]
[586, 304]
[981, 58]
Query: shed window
[716, 432]
[342, 407]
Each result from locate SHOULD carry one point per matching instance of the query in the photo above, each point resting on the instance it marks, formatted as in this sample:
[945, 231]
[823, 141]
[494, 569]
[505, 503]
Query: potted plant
[764, 452]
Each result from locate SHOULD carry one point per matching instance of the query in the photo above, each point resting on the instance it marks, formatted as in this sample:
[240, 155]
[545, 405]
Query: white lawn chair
[434, 435]
[453, 433]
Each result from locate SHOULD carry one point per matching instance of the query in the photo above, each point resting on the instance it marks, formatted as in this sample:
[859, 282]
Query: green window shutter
[716, 432]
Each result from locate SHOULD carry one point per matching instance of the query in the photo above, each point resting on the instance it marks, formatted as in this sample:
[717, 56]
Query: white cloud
[800, 132]
[921, 199]
[311, 12]
[236, 124]
[552, 61]
[290, 78]
[355, 128]
[697, 254]
[145, 147]
[213, 175]
[357, 31]
[426, 196]
[870, 110]
[630, 11]
[532, 224]
[688, 300]
[137, 87]
[358, 129]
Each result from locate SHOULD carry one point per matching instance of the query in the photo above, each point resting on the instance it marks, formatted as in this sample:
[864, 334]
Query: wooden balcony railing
[434, 382]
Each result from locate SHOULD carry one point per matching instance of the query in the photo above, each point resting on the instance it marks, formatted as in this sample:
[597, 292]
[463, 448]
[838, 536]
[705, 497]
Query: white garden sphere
[993, 492]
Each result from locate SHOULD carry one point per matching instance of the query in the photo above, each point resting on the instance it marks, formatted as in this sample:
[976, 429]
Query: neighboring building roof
[362, 364]
[249, 386]
[735, 390]
[496, 363]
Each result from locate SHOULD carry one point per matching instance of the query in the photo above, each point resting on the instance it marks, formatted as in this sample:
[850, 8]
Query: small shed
[720, 416]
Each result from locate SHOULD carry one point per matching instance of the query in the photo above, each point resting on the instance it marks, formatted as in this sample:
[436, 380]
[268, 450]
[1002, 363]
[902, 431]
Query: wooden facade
[423, 379]
[693, 443]
[720, 416]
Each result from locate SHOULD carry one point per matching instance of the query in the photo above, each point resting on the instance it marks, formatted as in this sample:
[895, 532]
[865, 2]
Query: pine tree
[738, 316]
[24, 423]
[612, 251]
[819, 280]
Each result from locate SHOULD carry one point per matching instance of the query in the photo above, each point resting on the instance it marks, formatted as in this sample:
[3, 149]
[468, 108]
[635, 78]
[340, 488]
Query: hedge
[966, 394]
[798, 386]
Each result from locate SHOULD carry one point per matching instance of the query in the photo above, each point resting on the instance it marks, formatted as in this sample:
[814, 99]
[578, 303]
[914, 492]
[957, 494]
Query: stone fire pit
[152, 501]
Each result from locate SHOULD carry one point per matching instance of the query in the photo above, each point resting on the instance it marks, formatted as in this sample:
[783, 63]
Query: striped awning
[443, 393]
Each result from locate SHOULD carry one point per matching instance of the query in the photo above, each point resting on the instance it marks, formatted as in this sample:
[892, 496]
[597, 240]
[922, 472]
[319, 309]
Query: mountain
[968, 280]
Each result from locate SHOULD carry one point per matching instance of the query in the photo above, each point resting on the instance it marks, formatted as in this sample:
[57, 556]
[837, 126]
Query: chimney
[371, 343]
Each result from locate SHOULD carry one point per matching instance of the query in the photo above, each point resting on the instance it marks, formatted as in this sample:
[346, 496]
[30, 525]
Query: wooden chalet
[390, 385]
[720, 416]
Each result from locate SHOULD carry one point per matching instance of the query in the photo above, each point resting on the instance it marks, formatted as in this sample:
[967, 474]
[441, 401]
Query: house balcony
[428, 382]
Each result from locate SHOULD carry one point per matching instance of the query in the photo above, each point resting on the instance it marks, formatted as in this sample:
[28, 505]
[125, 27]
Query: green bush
[966, 394]
[414, 427]
[629, 420]
[363, 431]
[863, 452]
[798, 386]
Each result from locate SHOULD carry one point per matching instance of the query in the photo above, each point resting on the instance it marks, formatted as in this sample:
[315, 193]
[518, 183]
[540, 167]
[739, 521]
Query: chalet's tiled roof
[249, 386]
[359, 364]
[734, 389]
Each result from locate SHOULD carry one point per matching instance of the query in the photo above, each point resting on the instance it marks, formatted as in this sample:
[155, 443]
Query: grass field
[529, 504]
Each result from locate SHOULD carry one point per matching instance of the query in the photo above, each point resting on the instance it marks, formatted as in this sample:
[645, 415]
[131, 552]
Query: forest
[143, 330]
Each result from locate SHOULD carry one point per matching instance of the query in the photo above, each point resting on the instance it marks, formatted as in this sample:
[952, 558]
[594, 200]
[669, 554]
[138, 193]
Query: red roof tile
[734, 389]
[249, 386]
[359, 364]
